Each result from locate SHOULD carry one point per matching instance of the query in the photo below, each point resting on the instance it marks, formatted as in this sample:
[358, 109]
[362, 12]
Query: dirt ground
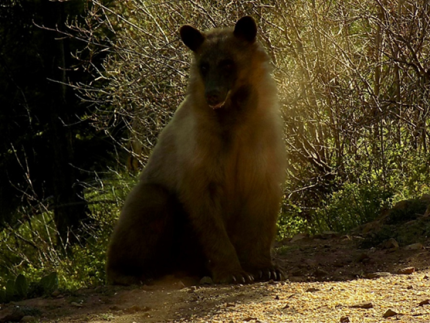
[361, 277]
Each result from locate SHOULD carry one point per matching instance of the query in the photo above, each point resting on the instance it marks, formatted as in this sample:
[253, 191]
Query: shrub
[32, 250]
[352, 206]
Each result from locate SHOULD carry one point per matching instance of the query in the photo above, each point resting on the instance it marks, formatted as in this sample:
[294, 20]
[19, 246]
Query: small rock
[312, 289]
[344, 319]
[330, 234]
[426, 302]
[357, 237]
[377, 275]
[181, 285]
[364, 305]
[369, 227]
[55, 293]
[206, 281]
[389, 313]
[298, 236]
[427, 212]
[390, 244]
[414, 246]
[406, 271]
[75, 304]
[27, 319]
[425, 198]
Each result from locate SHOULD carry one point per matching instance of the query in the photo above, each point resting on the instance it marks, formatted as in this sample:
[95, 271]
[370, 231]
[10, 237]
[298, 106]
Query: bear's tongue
[217, 106]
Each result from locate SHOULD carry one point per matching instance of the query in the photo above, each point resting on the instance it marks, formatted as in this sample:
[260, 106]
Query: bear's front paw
[269, 273]
[232, 277]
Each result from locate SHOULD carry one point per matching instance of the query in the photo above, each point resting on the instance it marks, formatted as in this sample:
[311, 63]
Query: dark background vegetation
[86, 86]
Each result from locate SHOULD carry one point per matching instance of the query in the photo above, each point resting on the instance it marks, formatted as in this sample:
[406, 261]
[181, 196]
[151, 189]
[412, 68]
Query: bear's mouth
[217, 106]
[220, 104]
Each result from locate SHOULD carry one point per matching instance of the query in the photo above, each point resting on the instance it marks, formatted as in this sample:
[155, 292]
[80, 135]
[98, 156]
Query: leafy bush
[291, 221]
[352, 206]
[20, 288]
[31, 250]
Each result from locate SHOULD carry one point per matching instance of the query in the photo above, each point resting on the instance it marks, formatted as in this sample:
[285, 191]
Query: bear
[208, 200]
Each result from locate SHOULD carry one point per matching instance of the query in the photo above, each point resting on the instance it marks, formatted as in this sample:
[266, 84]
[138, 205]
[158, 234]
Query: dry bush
[143, 79]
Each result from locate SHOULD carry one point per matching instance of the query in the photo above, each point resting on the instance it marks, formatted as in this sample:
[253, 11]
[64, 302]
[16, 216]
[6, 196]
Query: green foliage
[352, 206]
[19, 289]
[49, 283]
[31, 250]
[292, 221]
[10, 290]
[21, 286]
[362, 192]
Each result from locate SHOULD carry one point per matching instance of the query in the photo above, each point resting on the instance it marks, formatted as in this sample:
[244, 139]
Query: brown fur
[210, 194]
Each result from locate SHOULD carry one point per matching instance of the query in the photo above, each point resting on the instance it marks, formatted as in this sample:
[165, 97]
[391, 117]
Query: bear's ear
[246, 29]
[191, 37]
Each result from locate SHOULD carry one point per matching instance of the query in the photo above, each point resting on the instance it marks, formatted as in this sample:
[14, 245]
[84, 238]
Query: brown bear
[209, 197]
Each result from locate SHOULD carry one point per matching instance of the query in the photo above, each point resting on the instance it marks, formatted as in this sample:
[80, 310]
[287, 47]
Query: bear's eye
[204, 67]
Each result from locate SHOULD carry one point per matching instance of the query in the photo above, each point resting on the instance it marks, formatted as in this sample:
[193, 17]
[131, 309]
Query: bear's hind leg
[141, 246]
